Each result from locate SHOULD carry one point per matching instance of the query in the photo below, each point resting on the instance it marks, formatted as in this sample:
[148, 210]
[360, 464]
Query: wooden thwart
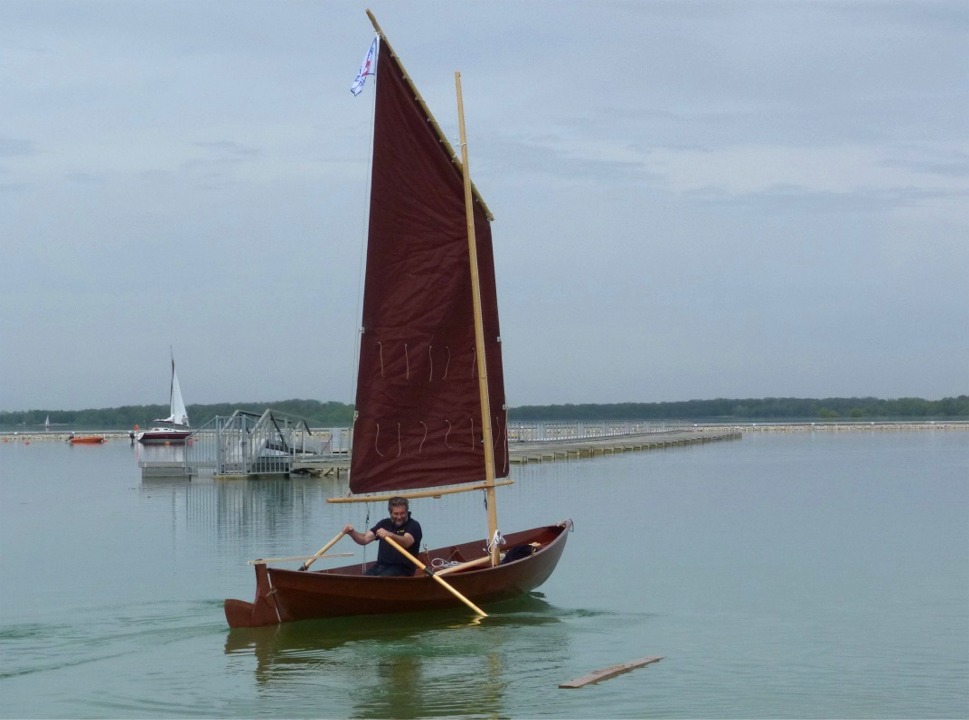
[464, 566]
[609, 672]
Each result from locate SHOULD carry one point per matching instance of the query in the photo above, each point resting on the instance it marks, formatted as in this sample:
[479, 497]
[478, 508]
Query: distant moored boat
[85, 439]
[173, 430]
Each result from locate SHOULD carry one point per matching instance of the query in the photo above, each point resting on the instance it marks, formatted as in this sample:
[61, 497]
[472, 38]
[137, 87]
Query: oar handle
[428, 571]
[322, 550]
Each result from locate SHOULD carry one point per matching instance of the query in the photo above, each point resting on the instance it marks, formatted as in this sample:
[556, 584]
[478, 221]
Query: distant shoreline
[744, 427]
[857, 426]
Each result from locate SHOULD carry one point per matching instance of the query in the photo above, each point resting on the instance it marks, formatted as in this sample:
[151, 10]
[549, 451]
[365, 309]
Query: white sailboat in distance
[173, 430]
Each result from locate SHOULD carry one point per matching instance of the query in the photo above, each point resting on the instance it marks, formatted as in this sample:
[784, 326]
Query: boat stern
[262, 611]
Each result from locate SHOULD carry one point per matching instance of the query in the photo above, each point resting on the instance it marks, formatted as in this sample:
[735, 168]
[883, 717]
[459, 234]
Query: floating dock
[551, 450]
[524, 452]
[247, 445]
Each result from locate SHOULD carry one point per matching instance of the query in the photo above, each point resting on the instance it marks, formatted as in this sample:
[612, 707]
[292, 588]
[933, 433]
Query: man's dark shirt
[390, 556]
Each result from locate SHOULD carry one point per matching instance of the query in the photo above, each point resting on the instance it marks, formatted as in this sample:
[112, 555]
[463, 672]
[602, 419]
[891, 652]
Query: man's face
[398, 513]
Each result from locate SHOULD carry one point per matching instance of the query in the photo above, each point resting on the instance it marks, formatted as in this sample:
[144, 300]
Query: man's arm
[405, 540]
[361, 538]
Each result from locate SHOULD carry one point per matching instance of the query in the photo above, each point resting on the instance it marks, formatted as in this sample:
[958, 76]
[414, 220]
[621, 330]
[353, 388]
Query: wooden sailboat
[430, 405]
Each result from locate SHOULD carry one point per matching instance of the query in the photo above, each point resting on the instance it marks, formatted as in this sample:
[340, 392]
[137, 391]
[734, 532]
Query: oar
[322, 550]
[428, 571]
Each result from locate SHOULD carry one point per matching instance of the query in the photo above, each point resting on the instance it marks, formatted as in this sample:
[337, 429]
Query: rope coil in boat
[439, 563]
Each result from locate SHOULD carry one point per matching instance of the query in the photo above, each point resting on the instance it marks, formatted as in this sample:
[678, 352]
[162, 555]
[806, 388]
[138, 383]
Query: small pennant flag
[367, 67]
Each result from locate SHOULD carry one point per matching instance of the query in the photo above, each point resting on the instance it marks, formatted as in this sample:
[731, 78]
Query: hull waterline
[164, 437]
[288, 595]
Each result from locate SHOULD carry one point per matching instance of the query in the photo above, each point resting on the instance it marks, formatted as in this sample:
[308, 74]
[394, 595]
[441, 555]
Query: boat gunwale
[284, 595]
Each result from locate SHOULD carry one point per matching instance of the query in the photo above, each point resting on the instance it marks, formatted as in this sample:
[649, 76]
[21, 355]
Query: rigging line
[406, 362]
[447, 363]
[364, 231]
[421, 447]
[366, 526]
[502, 434]
[271, 591]
[430, 364]
[380, 349]
[400, 447]
[447, 435]
[376, 437]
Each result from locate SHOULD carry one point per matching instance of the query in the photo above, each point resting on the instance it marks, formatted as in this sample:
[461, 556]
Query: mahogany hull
[287, 595]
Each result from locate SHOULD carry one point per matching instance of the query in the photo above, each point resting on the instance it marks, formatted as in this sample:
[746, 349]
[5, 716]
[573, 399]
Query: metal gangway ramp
[247, 443]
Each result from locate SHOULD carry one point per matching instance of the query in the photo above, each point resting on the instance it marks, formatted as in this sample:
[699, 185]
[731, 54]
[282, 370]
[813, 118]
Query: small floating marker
[609, 672]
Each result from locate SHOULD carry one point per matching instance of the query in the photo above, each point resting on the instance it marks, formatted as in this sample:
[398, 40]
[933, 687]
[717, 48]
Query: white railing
[553, 431]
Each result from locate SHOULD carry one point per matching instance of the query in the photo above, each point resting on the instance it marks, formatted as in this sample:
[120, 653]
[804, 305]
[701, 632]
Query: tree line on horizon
[336, 414]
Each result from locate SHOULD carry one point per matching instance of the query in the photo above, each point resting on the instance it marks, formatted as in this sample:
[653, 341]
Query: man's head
[399, 510]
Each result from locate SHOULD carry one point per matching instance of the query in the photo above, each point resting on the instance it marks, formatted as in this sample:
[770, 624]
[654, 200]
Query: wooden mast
[479, 342]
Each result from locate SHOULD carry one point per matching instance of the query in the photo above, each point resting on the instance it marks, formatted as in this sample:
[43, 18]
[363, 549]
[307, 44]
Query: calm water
[783, 575]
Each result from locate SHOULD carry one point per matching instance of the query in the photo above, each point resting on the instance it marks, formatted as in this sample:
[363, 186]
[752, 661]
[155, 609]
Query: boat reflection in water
[160, 453]
[404, 662]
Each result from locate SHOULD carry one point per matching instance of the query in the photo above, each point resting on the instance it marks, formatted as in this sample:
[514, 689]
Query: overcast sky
[692, 199]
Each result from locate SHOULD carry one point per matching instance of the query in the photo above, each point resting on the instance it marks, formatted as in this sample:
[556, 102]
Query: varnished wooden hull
[287, 595]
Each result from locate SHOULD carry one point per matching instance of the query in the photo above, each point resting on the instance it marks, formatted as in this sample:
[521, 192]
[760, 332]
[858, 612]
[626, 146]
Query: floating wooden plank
[609, 672]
